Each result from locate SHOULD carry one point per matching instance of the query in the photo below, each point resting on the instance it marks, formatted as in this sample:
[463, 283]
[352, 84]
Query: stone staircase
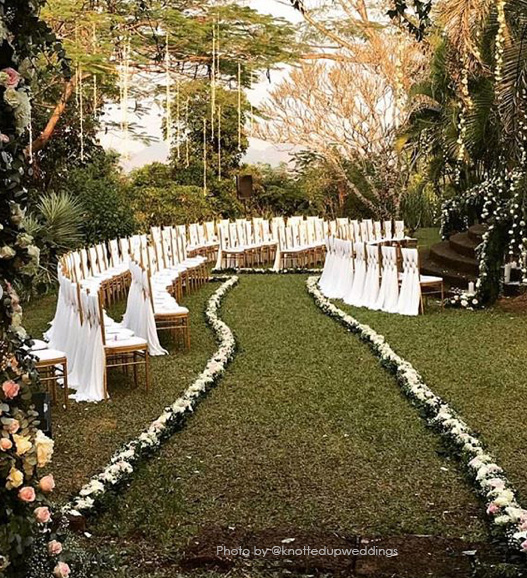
[455, 260]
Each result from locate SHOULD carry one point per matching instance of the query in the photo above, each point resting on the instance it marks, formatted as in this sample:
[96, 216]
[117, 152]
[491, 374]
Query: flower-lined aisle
[509, 520]
[122, 464]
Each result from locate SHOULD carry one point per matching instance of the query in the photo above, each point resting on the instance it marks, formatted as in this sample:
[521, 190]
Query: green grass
[306, 434]
[427, 237]
[86, 435]
[476, 362]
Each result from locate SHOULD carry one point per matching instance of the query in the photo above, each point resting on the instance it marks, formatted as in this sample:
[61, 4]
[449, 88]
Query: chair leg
[134, 359]
[105, 379]
[65, 384]
[147, 369]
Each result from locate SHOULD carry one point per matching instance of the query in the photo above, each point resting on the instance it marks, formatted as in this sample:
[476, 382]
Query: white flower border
[506, 515]
[269, 271]
[121, 465]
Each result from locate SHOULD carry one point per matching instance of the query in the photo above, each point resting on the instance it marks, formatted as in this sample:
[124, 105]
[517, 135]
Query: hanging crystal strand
[94, 42]
[213, 81]
[239, 106]
[81, 110]
[178, 119]
[168, 95]
[124, 102]
[187, 140]
[205, 156]
[219, 142]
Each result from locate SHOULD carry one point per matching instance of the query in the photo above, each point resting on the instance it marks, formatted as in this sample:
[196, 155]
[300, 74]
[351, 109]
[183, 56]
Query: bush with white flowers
[508, 519]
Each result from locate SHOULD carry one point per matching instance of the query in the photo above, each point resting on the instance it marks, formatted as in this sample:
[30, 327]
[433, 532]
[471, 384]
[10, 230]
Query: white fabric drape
[389, 290]
[410, 295]
[371, 283]
[354, 297]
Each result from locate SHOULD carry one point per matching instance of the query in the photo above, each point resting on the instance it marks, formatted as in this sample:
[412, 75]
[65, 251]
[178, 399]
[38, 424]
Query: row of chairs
[369, 275]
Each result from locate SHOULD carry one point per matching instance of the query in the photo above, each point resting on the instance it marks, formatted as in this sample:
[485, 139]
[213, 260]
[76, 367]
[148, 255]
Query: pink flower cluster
[13, 77]
[10, 389]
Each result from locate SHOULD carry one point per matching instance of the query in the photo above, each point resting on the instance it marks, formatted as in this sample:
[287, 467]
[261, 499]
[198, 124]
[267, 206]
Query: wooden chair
[132, 352]
[52, 365]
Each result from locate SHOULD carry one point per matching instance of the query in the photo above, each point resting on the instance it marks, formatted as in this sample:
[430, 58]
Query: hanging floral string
[213, 81]
[239, 106]
[168, 95]
[219, 142]
[205, 156]
[94, 46]
[187, 140]
[30, 129]
[124, 90]
[500, 41]
[178, 119]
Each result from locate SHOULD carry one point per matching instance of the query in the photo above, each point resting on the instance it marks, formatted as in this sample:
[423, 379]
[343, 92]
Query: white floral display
[270, 271]
[507, 517]
[122, 464]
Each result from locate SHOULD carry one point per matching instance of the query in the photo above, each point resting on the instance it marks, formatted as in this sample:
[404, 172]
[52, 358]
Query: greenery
[25, 451]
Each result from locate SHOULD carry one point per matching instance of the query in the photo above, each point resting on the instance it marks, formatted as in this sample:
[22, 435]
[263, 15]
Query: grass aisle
[306, 437]
[476, 362]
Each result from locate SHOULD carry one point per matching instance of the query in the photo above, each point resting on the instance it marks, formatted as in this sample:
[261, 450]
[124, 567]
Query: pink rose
[493, 509]
[27, 494]
[54, 548]
[42, 514]
[13, 78]
[47, 484]
[4, 138]
[524, 546]
[10, 389]
[5, 444]
[13, 426]
[62, 570]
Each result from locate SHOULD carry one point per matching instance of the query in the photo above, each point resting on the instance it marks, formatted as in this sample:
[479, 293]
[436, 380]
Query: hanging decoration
[205, 156]
[187, 140]
[239, 106]
[178, 119]
[500, 41]
[213, 81]
[79, 96]
[124, 86]
[219, 142]
[168, 95]
[94, 45]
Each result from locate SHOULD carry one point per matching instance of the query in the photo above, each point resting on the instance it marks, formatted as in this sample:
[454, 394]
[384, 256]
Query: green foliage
[23, 39]
[99, 189]
[420, 205]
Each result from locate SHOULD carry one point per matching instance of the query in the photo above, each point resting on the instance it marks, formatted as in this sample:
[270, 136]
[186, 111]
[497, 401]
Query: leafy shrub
[100, 190]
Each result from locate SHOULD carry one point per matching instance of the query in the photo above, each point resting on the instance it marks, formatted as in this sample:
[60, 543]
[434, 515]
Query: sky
[137, 154]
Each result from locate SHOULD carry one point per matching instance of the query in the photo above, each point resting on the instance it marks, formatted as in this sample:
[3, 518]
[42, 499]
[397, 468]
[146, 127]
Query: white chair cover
[389, 290]
[371, 284]
[354, 297]
[410, 295]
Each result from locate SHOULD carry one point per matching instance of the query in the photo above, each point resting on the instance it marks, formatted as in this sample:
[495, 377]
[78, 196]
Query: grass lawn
[86, 435]
[305, 436]
[476, 362]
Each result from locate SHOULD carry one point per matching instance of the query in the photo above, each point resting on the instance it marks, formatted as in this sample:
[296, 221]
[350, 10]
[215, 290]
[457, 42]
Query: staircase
[455, 260]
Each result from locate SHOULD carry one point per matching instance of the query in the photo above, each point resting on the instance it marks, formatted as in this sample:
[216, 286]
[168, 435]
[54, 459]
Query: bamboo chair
[123, 354]
[52, 365]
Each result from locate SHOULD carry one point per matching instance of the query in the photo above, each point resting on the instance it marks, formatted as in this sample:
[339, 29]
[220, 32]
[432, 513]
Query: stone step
[463, 244]
[443, 255]
[476, 232]
[451, 277]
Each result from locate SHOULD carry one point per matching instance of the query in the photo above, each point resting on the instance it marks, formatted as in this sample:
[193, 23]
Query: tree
[347, 109]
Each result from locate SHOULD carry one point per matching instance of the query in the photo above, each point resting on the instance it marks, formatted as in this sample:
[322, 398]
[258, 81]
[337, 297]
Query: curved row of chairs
[380, 277]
